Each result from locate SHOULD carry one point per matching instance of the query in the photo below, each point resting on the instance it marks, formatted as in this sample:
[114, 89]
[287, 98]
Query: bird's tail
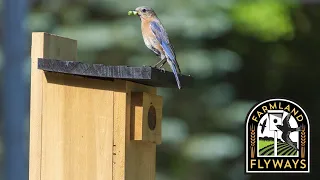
[174, 70]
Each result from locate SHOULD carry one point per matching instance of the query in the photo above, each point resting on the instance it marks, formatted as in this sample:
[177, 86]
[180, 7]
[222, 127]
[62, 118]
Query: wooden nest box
[92, 121]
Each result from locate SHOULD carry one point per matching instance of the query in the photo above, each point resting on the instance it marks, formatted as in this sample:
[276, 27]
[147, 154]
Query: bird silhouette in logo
[286, 130]
[263, 126]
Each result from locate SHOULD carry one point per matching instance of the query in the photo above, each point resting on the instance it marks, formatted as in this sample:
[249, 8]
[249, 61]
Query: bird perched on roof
[156, 39]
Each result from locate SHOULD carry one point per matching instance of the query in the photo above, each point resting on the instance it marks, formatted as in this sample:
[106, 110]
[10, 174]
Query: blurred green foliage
[268, 20]
[239, 52]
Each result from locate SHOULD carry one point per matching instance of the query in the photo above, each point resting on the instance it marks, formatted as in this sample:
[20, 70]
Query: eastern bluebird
[156, 39]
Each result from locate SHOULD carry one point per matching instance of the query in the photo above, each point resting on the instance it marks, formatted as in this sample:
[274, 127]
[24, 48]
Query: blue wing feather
[168, 50]
[161, 35]
[159, 32]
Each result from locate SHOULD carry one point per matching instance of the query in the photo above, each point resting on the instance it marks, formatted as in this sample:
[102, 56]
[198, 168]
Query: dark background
[240, 52]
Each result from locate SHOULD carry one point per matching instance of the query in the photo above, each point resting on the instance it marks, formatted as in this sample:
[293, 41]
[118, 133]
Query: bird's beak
[132, 13]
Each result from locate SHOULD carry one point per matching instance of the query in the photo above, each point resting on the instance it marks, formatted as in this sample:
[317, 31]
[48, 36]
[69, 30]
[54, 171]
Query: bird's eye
[144, 10]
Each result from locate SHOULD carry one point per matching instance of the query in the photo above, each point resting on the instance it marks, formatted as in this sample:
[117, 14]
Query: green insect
[132, 13]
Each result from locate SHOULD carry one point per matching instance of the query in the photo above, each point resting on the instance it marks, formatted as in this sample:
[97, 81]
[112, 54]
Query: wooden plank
[144, 75]
[119, 131]
[43, 46]
[146, 116]
[78, 131]
[133, 160]
[141, 156]
[80, 127]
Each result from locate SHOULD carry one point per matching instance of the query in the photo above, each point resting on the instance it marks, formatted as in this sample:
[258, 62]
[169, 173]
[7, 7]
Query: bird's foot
[162, 69]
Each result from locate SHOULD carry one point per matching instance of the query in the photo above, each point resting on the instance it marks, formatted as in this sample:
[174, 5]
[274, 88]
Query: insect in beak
[132, 13]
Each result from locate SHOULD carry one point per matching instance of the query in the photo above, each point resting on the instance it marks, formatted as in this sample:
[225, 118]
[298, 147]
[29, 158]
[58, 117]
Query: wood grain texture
[77, 133]
[43, 46]
[141, 103]
[141, 156]
[80, 127]
[133, 160]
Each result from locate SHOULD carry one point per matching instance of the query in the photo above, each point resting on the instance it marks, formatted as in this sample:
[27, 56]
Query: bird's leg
[162, 68]
[155, 66]
[162, 57]
[163, 64]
